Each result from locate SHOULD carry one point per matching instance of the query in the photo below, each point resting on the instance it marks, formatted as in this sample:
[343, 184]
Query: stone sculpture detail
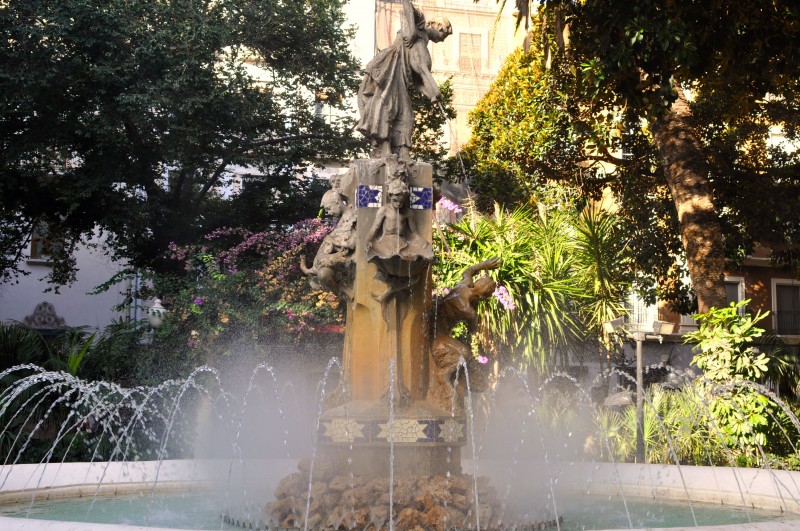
[459, 305]
[394, 244]
[384, 104]
[398, 371]
[333, 268]
[44, 317]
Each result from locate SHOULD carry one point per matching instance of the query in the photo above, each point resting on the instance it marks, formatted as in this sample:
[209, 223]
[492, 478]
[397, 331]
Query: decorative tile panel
[451, 430]
[341, 430]
[421, 197]
[369, 196]
[406, 431]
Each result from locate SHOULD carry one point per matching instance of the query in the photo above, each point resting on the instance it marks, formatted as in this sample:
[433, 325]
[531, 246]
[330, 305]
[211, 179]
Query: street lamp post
[639, 337]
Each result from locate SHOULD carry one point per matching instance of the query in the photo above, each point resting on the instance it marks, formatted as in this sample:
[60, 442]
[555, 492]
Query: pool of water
[615, 513]
[179, 511]
[202, 511]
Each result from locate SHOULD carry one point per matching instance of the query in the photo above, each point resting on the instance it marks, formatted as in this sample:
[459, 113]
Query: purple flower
[483, 360]
[199, 301]
[447, 204]
[504, 297]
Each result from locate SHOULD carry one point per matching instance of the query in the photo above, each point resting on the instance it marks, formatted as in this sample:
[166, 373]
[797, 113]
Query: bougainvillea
[247, 286]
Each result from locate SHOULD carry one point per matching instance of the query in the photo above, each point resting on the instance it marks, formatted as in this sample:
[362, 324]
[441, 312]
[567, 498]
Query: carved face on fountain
[332, 203]
[398, 194]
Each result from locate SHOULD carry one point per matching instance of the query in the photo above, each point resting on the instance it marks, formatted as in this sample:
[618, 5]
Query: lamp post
[639, 337]
[155, 314]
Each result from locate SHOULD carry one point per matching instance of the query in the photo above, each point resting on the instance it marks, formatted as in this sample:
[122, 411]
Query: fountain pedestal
[357, 433]
[358, 438]
[377, 333]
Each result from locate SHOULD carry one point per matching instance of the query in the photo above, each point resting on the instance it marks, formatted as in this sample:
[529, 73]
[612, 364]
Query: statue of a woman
[383, 100]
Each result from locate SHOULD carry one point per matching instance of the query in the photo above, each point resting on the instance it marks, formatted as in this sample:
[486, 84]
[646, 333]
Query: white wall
[361, 13]
[73, 303]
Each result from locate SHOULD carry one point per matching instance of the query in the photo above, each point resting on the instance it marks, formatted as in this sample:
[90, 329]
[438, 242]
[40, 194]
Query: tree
[429, 129]
[128, 116]
[638, 62]
[530, 128]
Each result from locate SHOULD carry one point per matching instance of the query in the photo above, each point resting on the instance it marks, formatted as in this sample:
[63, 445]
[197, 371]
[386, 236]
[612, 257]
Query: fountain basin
[777, 491]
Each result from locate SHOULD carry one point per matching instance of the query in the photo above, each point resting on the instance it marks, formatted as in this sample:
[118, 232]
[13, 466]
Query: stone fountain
[398, 413]
[388, 444]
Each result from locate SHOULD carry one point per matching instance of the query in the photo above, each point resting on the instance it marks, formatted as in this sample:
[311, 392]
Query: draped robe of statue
[383, 100]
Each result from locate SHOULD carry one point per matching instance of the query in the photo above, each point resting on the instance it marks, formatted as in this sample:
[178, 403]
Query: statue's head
[332, 203]
[438, 28]
[397, 193]
[484, 287]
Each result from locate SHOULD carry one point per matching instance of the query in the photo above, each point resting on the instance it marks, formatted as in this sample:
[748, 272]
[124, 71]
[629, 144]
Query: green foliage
[580, 106]
[677, 428]
[534, 126]
[20, 344]
[128, 116]
[562, 268]
[603, 257]
[729, 358]
[430, 125]
[725, 344]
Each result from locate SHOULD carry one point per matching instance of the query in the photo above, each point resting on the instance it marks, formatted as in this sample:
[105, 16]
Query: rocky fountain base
[359, 502]
[358, 477]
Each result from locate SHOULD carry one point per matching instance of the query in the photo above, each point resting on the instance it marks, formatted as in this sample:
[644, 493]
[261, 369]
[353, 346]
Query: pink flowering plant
[243, 286]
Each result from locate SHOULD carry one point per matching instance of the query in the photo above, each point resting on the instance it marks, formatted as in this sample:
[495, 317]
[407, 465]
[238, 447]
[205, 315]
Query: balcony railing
[787, 323]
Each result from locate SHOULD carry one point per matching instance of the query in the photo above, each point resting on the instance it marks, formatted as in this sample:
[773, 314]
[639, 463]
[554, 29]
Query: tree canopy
[128, 117]
[665, 103]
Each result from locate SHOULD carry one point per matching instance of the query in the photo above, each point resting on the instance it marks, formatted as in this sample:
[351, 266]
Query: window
[734, 291]
[42, 245]
[469, 52]
[786, 307]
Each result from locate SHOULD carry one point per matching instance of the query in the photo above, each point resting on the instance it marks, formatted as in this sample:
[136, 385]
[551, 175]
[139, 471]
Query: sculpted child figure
[459, 305]
[384, 104]
[333, 265]
[393, 242]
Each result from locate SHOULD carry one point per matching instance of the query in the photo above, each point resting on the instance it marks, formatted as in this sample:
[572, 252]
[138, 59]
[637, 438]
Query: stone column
[376, 334]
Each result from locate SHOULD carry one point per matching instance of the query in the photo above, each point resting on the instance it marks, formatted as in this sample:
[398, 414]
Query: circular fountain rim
[69, 480]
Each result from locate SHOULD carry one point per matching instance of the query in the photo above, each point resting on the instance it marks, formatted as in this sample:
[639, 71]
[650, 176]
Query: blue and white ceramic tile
[421, 197]
[369, 196]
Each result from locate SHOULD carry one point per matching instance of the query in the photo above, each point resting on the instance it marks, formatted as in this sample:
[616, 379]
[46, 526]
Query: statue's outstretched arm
[429, 86]
[409, 25]
[491, 263]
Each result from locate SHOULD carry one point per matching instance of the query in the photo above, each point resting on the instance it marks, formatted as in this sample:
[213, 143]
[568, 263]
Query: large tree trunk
[685, 168]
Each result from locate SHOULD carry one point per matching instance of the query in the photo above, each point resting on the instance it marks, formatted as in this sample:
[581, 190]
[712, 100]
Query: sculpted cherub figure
[333, 265]
[459, 305]
[394, 244]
